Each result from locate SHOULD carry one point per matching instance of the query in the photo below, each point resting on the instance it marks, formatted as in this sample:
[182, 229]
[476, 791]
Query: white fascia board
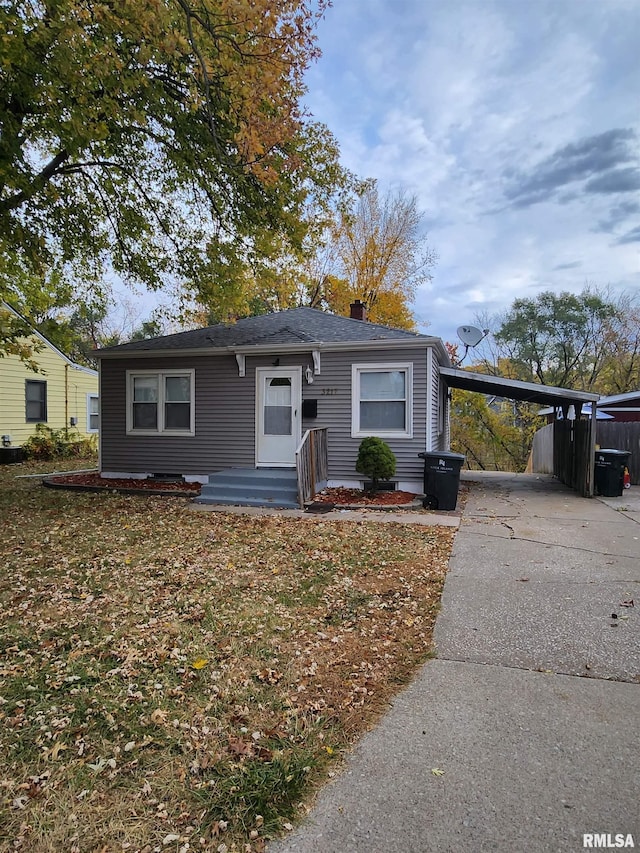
[80, 367]
[497, 385]
[619, 408]
[618, 398]
[260, 349]
[334, 346]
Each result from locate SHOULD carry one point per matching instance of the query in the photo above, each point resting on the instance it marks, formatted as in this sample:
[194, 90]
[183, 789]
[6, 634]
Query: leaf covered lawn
[173, 680]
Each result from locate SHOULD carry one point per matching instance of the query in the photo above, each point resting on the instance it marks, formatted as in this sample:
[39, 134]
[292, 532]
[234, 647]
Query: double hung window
[161, 402]
[35, 401]
[382, 400]
[93, 413]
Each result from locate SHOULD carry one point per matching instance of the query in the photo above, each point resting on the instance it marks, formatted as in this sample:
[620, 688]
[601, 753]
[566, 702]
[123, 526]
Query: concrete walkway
[532, 707]
[377, 516]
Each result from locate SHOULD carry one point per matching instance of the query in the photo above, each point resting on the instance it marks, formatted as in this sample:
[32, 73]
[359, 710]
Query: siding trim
[429, 441]
[353, 347]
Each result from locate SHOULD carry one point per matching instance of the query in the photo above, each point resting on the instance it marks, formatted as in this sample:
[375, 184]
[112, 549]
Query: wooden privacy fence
[541, 456]
[619, 436]
[622, 436]
[312, 463]
[573, 456]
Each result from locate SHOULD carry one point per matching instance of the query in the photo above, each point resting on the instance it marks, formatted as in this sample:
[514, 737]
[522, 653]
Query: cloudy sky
[516, 123]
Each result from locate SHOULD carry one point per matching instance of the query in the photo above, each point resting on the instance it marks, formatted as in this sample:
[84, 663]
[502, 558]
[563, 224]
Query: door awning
[514, 389]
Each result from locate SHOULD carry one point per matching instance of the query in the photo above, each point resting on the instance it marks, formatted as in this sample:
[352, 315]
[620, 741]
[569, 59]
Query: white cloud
[452, 100]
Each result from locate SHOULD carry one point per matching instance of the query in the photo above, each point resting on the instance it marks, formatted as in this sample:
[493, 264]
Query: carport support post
[591, 461]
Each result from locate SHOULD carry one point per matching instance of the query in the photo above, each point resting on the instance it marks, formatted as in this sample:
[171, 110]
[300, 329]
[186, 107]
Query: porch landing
[271, 487]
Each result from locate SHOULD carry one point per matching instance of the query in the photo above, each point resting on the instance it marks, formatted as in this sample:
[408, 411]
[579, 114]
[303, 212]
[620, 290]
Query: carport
[574, 441]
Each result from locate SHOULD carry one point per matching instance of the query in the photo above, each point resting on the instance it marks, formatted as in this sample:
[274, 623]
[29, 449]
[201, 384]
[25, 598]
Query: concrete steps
[275, 487]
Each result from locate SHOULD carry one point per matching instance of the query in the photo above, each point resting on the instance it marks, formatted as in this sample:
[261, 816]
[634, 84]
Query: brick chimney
[358, 311]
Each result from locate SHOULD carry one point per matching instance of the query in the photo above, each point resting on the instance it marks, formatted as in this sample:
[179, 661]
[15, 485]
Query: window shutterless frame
[382, 400]
[161, 402]
[93, 413]
[35, 393]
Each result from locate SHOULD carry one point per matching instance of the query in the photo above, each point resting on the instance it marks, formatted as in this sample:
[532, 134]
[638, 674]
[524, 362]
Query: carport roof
[514, 389]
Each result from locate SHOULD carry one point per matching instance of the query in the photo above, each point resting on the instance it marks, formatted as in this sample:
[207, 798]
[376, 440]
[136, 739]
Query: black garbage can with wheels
[609, 471]
[441, 479]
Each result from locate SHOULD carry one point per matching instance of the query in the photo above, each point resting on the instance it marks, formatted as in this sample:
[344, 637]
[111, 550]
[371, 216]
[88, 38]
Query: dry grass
[173, 680]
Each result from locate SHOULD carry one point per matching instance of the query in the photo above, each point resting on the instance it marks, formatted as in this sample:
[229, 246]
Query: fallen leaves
[269, 676]
[93, 480]
[54, 753]
[158, 659]
[358, 497]
[240, 747]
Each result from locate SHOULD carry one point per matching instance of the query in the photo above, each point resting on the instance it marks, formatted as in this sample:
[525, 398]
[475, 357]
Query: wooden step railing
[312, 464]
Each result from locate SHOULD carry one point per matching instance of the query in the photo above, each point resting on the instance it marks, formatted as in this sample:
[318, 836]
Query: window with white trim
[161, 402]
[93, 413]
[381, 396]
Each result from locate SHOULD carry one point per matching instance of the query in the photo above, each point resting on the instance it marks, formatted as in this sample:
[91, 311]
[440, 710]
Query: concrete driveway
[524, 733]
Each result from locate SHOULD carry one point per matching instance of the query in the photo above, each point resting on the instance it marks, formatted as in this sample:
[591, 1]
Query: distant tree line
[588, 341]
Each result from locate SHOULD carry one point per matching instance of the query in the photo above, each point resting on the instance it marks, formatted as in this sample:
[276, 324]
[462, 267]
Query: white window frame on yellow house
[90, 414]
[161, 401]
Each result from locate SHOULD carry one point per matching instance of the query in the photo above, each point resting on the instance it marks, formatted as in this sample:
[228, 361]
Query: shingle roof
[297, 325]
[619, 398]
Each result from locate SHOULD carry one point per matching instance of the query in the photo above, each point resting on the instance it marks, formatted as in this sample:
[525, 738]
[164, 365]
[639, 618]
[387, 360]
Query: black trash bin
[441, 479]
[609, 471]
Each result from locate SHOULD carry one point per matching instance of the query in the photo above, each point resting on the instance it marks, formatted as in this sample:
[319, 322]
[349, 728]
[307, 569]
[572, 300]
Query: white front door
[278, 415]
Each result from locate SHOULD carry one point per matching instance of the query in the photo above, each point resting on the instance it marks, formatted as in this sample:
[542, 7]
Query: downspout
[66, 400]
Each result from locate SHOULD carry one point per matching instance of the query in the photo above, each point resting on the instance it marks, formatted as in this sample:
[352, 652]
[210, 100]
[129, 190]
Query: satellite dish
[469, 335]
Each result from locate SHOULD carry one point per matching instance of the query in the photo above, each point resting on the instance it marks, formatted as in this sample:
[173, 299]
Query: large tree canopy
[155, 139]
[589, 341]
[365, 246]
[379, 255]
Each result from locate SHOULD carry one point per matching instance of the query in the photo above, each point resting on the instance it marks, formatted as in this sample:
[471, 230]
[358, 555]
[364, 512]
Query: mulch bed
[350, 497]
[95, 482]
[335, 496]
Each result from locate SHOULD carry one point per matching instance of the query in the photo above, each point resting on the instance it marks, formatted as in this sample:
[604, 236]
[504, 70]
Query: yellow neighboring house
[60, 394]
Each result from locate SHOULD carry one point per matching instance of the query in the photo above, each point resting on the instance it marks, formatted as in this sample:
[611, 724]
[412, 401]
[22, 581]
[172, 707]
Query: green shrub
[375, 460]
[47, 443]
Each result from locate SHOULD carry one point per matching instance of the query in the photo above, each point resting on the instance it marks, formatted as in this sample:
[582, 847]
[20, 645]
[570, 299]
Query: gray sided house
[261, 395]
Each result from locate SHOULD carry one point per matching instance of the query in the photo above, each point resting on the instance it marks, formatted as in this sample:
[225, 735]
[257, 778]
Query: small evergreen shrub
[47, 443]
[375, 460]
